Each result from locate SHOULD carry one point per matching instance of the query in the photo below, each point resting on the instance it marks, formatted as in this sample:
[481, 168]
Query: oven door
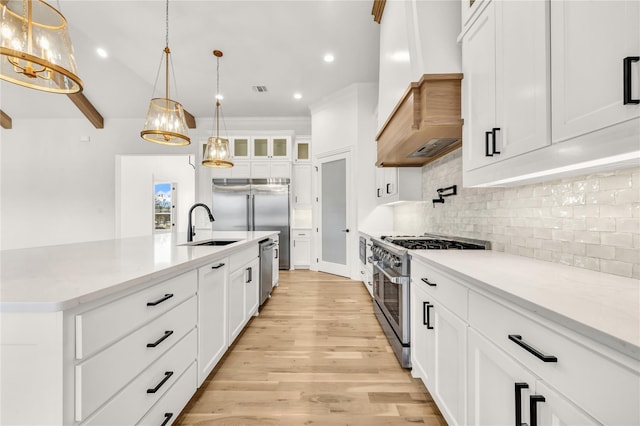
[391, 292]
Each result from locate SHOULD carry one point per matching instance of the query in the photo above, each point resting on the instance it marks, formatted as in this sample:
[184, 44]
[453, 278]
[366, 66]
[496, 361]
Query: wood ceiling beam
[87, 108]
[5, 120]
[190, 119]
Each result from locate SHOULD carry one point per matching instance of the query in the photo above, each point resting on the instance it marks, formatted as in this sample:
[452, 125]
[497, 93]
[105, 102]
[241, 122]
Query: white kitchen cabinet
[240, 147]
[301, 250]
[235, 303]
[589, 40]
[243, 290]
[271, 147]
[506, 82]
[398, 184]
[240, 170]
[252, 289]
[302, 150]
[439, 349]
[212, 314]
[270, 169]
[553, 409]
[302, 186]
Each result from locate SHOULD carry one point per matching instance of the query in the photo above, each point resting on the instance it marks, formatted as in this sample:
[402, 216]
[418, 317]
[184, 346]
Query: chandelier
[216, 153]
[35, 48]
[165, 123]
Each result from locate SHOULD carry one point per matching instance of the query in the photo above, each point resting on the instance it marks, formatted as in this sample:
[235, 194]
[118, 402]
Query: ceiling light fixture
[101, 52]
[216, 153]
[35, 48]
[165, 123]
[297, 96]
[328, 57]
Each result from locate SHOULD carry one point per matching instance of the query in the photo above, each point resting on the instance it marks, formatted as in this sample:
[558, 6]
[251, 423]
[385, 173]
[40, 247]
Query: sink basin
[211, 243]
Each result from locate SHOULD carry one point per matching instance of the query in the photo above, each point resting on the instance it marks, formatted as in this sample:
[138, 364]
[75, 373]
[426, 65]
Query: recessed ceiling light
[219, 97]
[101, 52]
[328, 57]
[297, 95]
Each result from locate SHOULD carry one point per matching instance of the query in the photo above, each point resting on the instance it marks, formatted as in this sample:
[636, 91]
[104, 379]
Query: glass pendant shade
[35, 48]
[166, 123]
[217, 154]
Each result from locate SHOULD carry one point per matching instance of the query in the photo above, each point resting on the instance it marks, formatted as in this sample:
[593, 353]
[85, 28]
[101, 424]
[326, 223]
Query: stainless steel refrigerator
[253, 205]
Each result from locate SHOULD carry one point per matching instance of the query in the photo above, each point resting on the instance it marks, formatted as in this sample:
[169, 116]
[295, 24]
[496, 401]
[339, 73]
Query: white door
[333, 229]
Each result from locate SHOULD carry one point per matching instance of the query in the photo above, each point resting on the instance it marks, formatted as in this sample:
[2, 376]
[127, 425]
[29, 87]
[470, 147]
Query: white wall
[56, 189]
[135, 178]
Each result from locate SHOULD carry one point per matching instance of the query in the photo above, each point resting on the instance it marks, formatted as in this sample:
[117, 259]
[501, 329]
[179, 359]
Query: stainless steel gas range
[391, 278]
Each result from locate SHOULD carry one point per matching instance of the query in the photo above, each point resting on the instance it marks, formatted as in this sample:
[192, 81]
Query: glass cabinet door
[280, 148]
[240, 147]
[261, 148]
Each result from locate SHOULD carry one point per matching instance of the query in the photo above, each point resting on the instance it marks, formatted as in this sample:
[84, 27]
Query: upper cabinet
[302, 150]
[505, 86]
[590, 41]
[549, 89]
[266, 148]
[240, 147]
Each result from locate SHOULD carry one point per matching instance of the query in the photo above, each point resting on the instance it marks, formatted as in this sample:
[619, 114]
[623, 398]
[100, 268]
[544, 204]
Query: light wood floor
[314, 356]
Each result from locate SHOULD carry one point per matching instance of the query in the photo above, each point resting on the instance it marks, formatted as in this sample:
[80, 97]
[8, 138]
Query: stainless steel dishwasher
[266, 268]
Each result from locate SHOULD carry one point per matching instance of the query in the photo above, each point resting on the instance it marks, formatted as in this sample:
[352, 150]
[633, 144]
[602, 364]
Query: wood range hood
[425, 125]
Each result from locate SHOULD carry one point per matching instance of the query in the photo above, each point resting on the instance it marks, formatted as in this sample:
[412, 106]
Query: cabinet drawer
[128, 406]
[604, 388]
[440, 286]
[238, 260]
[101, 376]
[301, 233]
[99, 327]
[171, 404]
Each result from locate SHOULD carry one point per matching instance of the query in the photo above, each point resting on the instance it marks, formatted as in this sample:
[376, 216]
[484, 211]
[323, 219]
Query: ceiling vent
[260, 89]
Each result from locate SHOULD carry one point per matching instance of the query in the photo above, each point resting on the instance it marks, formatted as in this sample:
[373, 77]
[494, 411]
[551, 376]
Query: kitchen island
[119, 331]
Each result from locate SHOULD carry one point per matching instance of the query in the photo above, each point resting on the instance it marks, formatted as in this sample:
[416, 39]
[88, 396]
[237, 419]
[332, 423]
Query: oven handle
[395, 279]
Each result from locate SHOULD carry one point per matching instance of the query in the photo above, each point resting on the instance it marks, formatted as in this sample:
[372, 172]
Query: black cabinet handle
[167, 375]
[486, 144]
[277, 253]
[519, 387]
[218, 266]
[378, 192]
[517, 339]
[493, 133]
[388, 188]
[160, 340]
[533, 408]
[425, 314]
[427, 282]
[626, 70]
[167, 417]
[159, 301]
[250, 271]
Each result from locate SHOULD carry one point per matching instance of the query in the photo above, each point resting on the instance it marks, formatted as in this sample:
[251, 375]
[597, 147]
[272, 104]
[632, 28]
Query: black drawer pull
[517, 339]
[218, 266]
[159, 301]
[378, 192]
[626, 65]
[167, 374]
[160, 340]
[486, 144]
[533, 408]
[167, 417]
[493, 132]
[250, 274]
[388, 188]
[427, 282]
[425, 314]
[519, 387]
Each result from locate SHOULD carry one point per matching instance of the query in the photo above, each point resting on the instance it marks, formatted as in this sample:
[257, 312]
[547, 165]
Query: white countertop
[601, 306]
[54, 278]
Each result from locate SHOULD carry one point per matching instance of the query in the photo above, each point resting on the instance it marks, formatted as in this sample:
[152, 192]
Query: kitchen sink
[211, 243]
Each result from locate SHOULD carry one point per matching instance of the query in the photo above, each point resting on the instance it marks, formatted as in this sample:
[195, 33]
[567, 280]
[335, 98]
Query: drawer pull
[517, 339]
[533, 408]
[626, 64]
[167, 375]
[425, 314]
[160, 340]
[167, 417]
[218, 266]
[250, 274]
[159, 301]
[427, 282]
[519, 387]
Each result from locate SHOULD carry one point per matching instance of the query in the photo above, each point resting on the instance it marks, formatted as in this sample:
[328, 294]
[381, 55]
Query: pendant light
[35, 48]
[165, 123]
[216, 153]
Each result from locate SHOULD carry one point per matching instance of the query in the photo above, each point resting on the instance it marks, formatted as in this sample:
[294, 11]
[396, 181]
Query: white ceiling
[277, 44]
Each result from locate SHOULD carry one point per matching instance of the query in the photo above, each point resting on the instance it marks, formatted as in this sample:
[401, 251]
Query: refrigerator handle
[249, 214]
[253, 212]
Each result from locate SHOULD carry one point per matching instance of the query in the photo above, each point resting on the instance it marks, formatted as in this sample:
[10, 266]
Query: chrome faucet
[191, 231]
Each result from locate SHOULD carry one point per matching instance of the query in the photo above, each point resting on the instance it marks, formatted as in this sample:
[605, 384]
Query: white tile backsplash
[591, 222]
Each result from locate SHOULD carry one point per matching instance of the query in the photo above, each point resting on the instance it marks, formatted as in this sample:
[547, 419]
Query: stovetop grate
[427, 243]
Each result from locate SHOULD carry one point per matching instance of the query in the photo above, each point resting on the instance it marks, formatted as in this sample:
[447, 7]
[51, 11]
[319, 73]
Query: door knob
[345, 230]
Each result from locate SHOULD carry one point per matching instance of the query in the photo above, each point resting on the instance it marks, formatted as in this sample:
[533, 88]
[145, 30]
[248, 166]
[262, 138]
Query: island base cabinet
[235, 303]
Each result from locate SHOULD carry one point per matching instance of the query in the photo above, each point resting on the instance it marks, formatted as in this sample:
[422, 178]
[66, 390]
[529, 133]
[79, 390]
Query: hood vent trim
[425, 124]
